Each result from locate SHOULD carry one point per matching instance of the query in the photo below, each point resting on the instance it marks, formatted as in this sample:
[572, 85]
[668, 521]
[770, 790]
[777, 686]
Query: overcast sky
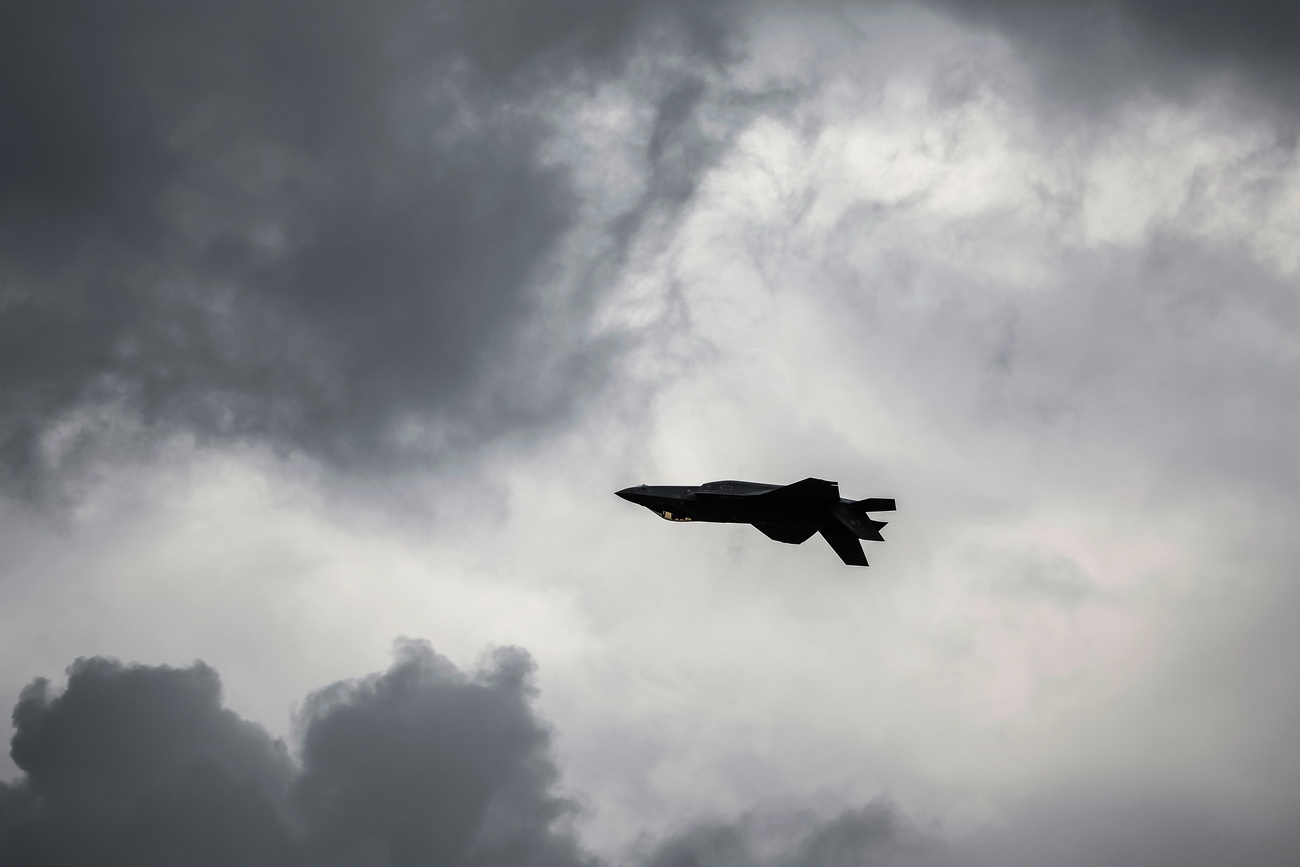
[328, 329]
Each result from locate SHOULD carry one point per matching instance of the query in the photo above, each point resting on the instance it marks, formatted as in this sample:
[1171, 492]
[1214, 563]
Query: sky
[328, 330]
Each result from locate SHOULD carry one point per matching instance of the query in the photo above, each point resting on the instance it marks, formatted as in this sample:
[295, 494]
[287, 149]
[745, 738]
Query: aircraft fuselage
[786, 513]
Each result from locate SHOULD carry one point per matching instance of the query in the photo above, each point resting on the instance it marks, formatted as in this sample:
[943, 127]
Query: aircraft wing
[807, 492]
[786, 533]
[846, 545]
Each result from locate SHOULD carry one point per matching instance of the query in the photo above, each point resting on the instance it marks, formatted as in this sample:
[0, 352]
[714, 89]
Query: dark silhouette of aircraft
[790, 513]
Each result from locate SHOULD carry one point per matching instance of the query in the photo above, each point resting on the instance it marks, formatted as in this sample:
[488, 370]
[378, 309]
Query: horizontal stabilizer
[846, 545]
[791, 535]
[859, 524]
[875, 504]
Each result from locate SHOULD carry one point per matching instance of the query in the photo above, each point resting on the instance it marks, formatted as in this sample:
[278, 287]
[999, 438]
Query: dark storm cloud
[141, 765]
[309, 223]
[423, 765]
[419, 765]
[1097, 48]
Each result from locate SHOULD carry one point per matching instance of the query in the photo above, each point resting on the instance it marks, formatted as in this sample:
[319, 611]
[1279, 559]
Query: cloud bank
[357, 234]
[321, 226]
[421, 764]
[426, 765]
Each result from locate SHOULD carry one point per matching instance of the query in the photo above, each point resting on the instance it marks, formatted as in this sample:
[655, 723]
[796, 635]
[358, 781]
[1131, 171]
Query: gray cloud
[1096, 829]
[326, 227]
[314, 225]
[1104, 47]
[141, 765]
[873, 835]
[421, 764]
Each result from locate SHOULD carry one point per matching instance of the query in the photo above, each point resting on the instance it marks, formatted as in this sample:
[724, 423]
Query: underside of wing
[846, 545]
[791, 535]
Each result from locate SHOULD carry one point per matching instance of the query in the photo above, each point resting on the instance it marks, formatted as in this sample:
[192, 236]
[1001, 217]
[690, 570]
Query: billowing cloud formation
[425, 765]
[419, 765]
[310, 224]
[338, 229]
[141, 765]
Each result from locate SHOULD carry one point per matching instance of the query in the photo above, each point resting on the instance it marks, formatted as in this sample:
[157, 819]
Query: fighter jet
[789, 513]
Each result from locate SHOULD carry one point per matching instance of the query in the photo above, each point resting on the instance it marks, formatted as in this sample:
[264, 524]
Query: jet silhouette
[789, 513]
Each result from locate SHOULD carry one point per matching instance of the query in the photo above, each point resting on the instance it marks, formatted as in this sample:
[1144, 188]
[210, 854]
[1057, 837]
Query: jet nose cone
[630, 494]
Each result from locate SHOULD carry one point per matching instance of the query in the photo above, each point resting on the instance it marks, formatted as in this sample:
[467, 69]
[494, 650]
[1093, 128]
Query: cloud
[873, 835]
[141, 765]
[1106, 48]
[363, 234]
[321, 226]
[1162, 829]
[422, 764]
[419, 765]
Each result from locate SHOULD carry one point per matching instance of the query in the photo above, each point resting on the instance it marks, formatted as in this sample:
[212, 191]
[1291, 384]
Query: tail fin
[875, 504]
